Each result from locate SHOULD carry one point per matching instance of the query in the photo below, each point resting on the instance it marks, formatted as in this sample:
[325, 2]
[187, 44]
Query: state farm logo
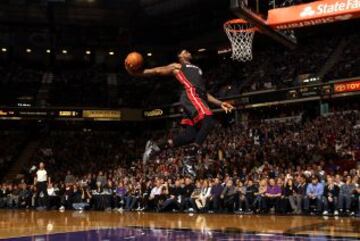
[340, 7]
[307, 12]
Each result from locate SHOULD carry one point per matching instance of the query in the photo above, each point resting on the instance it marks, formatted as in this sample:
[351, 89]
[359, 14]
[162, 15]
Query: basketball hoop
[241, 35]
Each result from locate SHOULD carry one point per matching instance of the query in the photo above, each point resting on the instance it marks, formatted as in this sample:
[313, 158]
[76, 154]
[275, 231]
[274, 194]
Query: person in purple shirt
[272, 196]
[215, 193]
[120, 193]
[314, 194]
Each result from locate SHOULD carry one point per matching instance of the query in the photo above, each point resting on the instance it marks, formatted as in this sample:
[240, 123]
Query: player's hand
[227, 107]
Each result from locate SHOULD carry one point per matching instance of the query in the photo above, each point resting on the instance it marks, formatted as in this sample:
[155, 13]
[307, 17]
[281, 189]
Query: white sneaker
[325, 213]
[62, 208]
[191, 210]
[120, 210]
[336, 213]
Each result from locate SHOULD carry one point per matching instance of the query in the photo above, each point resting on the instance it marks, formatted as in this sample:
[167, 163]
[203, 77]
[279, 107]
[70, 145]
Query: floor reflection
[140, 234]
[171, 226]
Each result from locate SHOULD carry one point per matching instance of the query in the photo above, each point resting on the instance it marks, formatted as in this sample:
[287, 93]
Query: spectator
[195, 197]
[155, 195]
[13, 196]
[331, 196]
[301, 186]
[290, 196]
[260, 201]
[215, 193]
[242, 202]
[188, 190]
[228, 196]
[314, 192]
[272, 196]
[24, 196]
[204, 195]
[66, 198]
[175, 200]
[53, 198]
[120, 196]
[345, 195]
[69, 179]
[101, 179]
[251, 190]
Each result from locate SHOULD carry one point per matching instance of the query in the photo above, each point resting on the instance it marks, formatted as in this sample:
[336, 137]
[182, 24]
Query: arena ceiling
[124, 24]
[106, 22]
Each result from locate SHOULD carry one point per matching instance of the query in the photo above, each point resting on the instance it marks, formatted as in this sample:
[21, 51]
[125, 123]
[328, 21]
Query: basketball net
[241, 35]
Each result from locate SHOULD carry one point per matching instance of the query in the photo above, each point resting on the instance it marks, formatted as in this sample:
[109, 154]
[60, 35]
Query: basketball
[134, 60]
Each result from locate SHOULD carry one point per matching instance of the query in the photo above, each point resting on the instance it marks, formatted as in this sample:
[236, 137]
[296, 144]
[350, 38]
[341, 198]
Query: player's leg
[206, 127]
[192, 135]
[186, 137]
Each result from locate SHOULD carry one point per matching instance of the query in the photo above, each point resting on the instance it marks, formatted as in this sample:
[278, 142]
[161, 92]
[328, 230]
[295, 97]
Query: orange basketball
[134, 60]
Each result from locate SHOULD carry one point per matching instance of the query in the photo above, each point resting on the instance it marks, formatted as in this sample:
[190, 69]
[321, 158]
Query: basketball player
[194, 100]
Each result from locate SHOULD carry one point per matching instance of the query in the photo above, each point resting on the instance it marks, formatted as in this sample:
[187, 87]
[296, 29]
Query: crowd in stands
[296, 167]
[81, 87]
[271, 67]
[348, 65]
[11, 141]
[86, 150]
[18, 82]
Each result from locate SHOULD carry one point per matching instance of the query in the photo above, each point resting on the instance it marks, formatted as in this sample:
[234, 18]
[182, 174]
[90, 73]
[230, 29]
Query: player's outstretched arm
[227, 107]
[213, 100]
[168, 70]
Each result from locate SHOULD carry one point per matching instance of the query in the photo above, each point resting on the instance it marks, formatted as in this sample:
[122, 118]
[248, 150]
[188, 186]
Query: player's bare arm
[227, 107]
[171, 69]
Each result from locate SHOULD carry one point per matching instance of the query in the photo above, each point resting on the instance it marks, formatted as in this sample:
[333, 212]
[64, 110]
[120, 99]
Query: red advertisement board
[347, 87]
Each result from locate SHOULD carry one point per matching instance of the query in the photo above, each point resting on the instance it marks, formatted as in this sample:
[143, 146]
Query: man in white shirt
[155, 191]
[40, 181]
[155, 194]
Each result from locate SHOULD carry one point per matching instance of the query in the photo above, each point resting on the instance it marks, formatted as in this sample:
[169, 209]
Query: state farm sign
[314, 13]
[327, 8]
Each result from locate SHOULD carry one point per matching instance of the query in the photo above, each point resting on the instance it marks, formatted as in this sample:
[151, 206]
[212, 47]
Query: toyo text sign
[347, 87]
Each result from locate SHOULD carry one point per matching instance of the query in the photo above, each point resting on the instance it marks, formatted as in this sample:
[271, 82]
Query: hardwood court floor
[28, 223]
